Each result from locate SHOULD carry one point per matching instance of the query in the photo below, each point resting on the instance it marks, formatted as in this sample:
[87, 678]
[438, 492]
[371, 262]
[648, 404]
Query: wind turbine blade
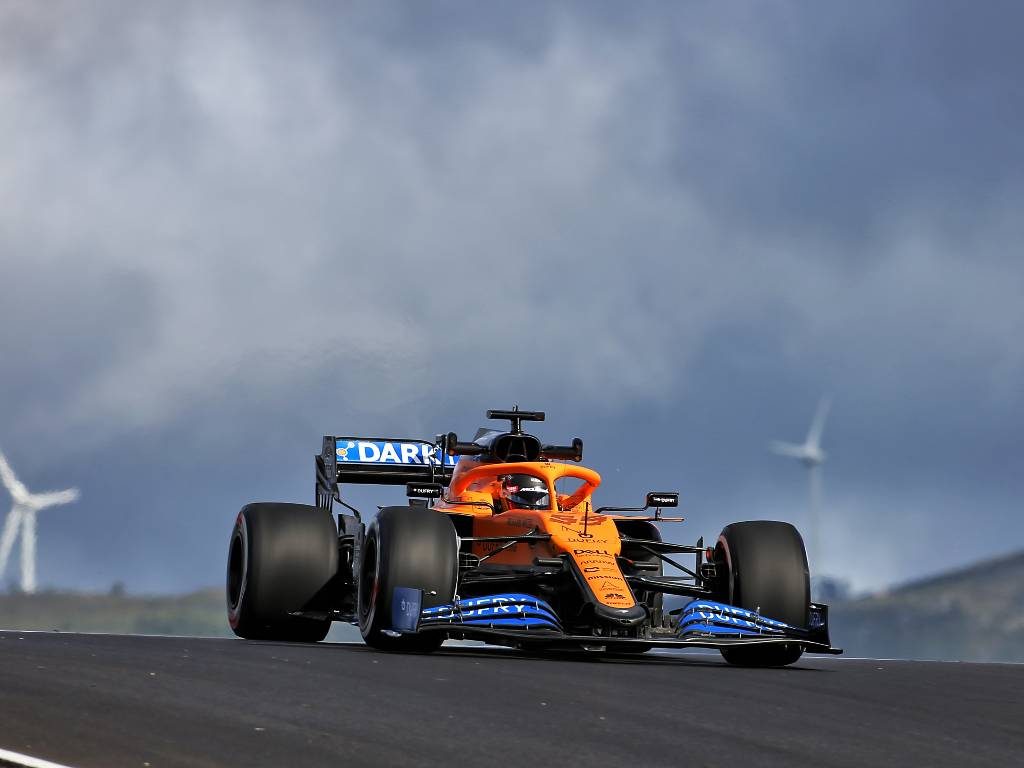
[53, 498]
[814, 478]
[28, 553]
[787, 449]
[16, 488]
[818, 425]
[11, 526]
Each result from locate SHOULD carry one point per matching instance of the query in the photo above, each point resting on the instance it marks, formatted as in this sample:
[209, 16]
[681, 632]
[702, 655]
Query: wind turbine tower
[22, 519]
[809, 452]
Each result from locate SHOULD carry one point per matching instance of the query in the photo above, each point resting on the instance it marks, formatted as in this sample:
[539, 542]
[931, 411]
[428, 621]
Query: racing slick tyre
[412, 547]
[282, 558]
[763, 567]
[650, 564]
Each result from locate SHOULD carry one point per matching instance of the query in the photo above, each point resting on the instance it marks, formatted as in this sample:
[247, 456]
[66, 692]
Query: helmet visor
[527, 492]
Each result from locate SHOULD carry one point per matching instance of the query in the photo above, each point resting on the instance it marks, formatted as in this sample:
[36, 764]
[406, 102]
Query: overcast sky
[227, 229]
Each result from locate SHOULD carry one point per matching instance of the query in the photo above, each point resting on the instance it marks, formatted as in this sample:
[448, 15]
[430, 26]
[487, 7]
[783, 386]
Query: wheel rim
[238, 568]
[726, 586]
[369, 586]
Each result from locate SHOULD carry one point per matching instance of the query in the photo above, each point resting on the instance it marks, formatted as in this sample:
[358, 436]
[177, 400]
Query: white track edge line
[26, 761]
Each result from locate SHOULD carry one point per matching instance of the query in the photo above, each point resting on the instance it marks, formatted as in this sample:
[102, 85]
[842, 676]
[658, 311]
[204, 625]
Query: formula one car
[500, 542]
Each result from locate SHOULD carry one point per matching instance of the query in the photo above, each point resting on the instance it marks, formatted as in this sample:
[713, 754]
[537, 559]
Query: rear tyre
[765, 569]
[405, 547]
[282, 558]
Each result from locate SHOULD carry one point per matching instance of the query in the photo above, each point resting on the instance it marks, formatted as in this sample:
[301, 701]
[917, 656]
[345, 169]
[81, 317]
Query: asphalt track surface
[106, 700]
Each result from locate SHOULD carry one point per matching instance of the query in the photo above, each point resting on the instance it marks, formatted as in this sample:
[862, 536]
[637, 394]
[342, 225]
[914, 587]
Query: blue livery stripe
[507, 610]
[718, 631]
[509, 622]
[706, 617]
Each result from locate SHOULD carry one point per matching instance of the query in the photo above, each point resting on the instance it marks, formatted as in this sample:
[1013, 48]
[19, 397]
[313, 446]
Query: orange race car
[501, 542]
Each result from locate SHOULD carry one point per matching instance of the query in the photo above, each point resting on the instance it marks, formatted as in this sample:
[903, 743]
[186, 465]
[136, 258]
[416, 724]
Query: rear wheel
[765, 570]
[282, 558]
[405, 547]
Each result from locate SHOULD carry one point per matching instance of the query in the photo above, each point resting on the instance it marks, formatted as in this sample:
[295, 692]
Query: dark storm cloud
[225, 231]
[846, 113]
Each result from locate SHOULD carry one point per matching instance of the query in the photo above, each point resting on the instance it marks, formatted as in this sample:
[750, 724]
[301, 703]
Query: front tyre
[765, 570]
[654, 601]
[413, 547]
[282, 558]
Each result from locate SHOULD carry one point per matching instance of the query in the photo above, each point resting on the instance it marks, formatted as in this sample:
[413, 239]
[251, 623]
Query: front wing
[521, 620]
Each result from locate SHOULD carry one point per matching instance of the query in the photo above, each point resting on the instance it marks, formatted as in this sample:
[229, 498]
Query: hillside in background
[198, 613]
[973, 614]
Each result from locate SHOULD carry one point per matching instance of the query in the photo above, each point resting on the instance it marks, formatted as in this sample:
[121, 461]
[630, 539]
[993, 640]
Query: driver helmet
[525, 492]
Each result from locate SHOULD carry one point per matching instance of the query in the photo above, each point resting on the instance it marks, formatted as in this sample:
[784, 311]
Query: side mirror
[654, 499]
[454, 448]
[423, 490]
[659, 499]
[572, 452]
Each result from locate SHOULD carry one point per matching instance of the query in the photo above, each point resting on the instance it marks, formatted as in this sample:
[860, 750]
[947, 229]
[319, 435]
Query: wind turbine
[23, 516]
[810, 453]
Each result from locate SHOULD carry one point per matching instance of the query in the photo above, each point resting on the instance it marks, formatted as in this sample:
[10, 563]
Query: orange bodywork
[591, 540]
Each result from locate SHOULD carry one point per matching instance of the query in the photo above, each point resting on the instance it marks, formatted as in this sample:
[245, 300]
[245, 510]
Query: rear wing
[382, 461]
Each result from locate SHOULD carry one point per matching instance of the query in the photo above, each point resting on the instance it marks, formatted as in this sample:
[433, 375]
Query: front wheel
[652, 600]
[765, 570]
[413, 547]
